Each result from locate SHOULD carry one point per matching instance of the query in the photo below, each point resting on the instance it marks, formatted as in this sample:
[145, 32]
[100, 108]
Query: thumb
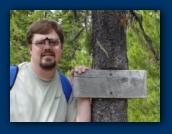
[72, 76]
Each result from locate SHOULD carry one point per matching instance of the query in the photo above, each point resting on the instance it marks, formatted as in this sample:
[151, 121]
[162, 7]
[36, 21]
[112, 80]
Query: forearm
[83, 110]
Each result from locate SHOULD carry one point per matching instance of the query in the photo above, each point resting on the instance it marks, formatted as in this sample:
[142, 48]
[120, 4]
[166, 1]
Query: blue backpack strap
[66, 86]
[13, 74]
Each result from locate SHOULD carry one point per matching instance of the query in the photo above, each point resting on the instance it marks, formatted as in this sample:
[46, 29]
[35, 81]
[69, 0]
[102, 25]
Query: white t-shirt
[35, 100]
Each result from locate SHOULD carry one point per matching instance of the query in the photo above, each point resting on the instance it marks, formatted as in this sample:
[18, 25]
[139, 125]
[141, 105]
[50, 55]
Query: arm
[83, 104]
[83, 110]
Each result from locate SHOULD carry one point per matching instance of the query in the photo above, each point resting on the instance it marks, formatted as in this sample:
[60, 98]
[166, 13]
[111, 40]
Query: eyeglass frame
[52, 42]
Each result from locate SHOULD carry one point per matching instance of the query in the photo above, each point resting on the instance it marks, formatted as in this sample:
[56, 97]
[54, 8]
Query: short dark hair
[44, 27]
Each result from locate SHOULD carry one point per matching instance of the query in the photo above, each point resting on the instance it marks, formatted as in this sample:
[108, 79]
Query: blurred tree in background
[143, 48]
[143, 38]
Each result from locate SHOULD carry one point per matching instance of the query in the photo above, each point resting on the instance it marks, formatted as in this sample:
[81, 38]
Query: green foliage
[77, 27]
[76, 43]
[142, 58]
[18, 27]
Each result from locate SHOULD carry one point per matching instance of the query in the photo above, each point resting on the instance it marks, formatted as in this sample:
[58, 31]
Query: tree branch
[147, 38]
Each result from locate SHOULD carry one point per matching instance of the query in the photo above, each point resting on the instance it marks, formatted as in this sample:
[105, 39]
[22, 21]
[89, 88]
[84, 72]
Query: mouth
[47, 54]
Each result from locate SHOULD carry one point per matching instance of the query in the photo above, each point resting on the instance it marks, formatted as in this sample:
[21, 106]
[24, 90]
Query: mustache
[50, 53]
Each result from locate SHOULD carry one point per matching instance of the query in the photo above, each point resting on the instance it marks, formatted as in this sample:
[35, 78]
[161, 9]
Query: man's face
[46, 50]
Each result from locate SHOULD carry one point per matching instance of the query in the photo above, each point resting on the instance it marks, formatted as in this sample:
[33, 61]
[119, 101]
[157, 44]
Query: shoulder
[23, 64]
[64, 79]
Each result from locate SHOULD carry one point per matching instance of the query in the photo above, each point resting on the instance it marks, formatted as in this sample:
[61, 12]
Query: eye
[39, 42]
[54, 42]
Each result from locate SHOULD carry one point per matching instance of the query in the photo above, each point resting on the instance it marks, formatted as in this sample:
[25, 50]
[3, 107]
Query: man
[37, 94]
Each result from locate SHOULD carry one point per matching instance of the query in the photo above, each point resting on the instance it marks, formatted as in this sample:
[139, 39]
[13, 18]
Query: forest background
[143, 49]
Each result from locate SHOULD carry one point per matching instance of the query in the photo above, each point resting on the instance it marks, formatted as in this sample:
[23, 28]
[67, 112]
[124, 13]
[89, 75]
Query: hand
[83, 104]
[78, 69]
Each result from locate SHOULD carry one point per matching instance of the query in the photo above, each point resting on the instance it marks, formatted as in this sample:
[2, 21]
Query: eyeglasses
[51, 42]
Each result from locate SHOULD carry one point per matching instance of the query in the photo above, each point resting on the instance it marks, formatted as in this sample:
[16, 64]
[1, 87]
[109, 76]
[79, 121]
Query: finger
[72, 76]
[84, 68]
[77, 69]
[72, 72]
[80, 69]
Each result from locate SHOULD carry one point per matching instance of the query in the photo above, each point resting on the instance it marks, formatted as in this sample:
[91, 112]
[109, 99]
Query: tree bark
[109, 52]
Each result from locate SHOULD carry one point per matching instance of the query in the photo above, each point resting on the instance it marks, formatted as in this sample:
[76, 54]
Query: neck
[42, 73]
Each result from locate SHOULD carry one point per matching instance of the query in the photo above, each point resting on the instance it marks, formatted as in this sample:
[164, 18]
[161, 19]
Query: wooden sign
[110, 84]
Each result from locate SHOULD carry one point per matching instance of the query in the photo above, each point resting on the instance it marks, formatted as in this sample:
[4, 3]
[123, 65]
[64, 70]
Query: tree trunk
[109, 52]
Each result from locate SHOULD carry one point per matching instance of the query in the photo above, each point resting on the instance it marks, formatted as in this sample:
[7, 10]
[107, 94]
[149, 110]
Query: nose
[47, 45]
[47, 42]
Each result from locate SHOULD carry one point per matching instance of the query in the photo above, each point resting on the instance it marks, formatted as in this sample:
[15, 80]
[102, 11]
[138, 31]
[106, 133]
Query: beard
[47, 63]
[48, 66]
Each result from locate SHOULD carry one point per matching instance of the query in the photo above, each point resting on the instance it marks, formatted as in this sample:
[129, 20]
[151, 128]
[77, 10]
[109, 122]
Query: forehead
[50, 35]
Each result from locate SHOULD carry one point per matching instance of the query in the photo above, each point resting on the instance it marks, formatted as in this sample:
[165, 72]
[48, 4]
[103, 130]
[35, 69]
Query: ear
[30, 48]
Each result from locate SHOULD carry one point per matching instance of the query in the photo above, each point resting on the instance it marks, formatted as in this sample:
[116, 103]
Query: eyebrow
[54, 39]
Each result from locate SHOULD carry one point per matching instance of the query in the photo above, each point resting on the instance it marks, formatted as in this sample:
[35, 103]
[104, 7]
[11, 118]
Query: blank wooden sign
[110, 84]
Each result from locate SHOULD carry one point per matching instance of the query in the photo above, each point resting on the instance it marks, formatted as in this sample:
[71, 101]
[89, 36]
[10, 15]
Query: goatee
[48, 66]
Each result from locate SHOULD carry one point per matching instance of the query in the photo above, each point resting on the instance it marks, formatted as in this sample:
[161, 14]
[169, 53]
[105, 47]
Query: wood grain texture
[110, 84]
